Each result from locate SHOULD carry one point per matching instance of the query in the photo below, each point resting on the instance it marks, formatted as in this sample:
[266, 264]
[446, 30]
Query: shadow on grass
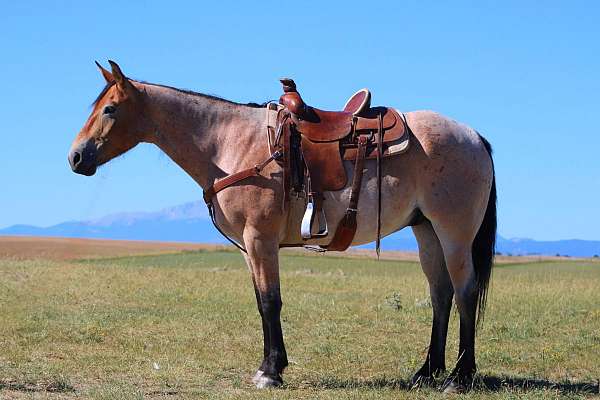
[500, 383]
[57, 386]
[483, 383]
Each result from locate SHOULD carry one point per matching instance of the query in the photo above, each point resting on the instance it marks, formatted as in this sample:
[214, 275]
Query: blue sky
[524, 74]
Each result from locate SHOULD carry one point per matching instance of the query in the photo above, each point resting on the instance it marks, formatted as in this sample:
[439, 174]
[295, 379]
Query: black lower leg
[266, 333]
[275, 355]
[435, 363]
[436, 355]
[465, 366]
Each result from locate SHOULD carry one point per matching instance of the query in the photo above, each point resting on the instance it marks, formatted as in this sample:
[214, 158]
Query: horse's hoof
[455, 385]
[257, 376]
[419, 380]
[263, 381]
[454, 388]
[426, 377]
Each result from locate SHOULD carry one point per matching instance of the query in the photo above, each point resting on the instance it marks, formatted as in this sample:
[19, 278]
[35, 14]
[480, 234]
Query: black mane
[185, 91]
[209, 96]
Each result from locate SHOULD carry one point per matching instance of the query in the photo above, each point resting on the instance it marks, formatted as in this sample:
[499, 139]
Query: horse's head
[117, 123]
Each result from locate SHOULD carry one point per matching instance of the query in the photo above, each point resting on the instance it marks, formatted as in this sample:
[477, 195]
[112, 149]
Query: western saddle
[327, 138]
[312, 145]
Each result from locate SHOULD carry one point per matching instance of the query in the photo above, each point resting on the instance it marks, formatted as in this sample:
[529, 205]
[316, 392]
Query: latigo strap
[379, 154]
[347, 227]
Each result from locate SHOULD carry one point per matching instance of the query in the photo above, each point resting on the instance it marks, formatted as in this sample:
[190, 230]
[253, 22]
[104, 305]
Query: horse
[443, 186]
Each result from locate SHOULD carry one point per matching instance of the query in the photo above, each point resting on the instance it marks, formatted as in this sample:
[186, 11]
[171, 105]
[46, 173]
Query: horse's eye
[109, 109]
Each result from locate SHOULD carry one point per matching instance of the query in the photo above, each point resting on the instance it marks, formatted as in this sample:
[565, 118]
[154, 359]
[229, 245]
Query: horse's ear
[105, 73]
[122, 82]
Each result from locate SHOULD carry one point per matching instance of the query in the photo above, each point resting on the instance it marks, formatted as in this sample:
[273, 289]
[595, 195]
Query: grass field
[185, 325]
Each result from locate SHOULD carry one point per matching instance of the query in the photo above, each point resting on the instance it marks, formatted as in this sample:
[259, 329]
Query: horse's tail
[484, 245]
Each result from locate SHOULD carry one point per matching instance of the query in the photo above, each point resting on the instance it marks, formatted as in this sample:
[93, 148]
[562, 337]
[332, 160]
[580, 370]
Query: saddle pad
[272, 116]
[395, 141]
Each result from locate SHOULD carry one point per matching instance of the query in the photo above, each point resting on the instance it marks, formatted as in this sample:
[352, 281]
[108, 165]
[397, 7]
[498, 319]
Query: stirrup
[309, 219]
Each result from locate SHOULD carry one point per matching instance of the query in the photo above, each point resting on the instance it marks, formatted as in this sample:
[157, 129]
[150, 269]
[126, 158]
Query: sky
[523, 73]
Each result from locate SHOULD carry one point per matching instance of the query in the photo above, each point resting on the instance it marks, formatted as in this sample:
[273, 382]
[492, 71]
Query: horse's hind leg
[441, 291]
[459, 261]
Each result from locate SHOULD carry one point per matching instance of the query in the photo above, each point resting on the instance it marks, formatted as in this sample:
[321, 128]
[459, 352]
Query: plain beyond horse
[443, 186]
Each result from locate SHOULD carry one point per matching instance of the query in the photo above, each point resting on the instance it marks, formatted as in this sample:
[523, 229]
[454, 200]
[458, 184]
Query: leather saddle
[324, 140]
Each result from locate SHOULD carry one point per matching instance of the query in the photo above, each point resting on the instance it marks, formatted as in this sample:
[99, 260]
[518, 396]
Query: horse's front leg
[263, 261]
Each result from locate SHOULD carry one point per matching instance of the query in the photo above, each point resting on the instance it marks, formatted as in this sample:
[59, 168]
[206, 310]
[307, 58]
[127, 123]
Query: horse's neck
[208, 138]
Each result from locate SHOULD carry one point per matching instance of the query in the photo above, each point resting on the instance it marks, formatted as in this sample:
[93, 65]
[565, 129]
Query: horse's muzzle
[82, 159]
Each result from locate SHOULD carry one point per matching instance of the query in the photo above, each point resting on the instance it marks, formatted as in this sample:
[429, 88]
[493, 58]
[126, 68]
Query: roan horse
[443, 187]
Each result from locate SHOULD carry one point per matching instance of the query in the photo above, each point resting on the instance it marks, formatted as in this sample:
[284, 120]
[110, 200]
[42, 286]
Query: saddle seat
[327, 126]
[356, 104]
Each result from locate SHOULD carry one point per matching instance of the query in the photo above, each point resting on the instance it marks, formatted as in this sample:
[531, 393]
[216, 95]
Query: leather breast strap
[231, 180]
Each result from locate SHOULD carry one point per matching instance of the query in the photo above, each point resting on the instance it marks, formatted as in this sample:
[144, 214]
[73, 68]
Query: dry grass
[185, 326]
[52, 248]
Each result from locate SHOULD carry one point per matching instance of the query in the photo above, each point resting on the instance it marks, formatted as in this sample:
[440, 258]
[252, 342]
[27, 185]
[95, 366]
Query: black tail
[484, 245]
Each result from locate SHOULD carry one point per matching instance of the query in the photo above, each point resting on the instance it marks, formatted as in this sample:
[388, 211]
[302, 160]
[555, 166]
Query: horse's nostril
[76, 158]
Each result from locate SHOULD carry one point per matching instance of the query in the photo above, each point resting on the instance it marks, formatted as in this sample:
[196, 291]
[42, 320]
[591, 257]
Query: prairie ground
[184, 325]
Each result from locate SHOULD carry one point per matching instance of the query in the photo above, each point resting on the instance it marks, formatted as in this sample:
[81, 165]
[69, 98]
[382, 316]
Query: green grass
[186, 326]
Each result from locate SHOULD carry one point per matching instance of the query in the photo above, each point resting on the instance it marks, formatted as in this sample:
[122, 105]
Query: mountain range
[190, 222]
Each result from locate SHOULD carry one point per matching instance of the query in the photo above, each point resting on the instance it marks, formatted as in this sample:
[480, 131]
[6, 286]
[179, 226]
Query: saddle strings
[379, 156]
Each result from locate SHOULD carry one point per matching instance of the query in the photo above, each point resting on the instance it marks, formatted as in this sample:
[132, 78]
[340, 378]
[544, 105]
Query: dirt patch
[26, 247]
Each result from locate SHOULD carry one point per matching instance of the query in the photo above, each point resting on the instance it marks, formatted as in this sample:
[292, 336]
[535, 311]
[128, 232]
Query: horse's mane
[185, 91]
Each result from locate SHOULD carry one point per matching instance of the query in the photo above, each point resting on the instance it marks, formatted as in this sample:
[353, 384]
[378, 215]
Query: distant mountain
[404, 240]
[190, 222]
[571, 248]
[184, 223]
